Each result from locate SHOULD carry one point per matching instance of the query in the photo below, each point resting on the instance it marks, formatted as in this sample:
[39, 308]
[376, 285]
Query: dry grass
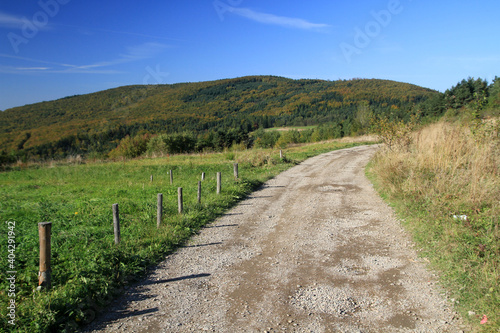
[451, 170]
[446, 161]
[356, 139]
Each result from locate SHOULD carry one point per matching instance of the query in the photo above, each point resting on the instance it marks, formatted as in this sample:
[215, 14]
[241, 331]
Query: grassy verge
[88, 270]
[446, 188]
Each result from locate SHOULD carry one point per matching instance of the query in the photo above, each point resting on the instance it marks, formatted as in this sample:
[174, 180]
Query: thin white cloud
[51, 70]
[10, 21]
[3, 55]
[287, 22]
[134, 53]
[15, 22]
[32, 68]
[144, 51]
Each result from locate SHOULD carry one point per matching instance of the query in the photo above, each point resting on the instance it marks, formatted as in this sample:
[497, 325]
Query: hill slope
[245, 103]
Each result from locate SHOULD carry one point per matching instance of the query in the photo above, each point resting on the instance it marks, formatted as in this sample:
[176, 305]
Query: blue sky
[55, 48]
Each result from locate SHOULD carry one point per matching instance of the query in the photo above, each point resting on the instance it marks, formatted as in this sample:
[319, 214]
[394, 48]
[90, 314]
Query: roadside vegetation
[444, 182]
[88, 269]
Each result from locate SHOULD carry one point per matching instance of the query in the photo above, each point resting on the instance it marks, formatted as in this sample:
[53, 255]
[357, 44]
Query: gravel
[314, 250]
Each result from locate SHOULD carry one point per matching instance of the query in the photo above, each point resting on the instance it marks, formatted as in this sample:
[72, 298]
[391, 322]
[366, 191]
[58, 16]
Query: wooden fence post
[202, 176]
[116, 223]
[151, 178]
[219, 180]
[171, 177]
[281, 154]
[44, 274]
[199, 192]
[235, 166]
[179, 200]
[159, 210]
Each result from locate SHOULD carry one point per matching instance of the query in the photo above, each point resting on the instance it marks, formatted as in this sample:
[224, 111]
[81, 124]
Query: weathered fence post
[219, 180]
[281, 154]
[171, 177]
[235, 166]
[116, 223]
[202, 176]
[151, 178]
[179, 200]
[44, 275]
[199, 192]
[159, 210]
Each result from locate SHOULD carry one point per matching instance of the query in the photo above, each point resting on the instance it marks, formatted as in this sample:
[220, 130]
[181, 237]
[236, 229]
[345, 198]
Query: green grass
[88, 269]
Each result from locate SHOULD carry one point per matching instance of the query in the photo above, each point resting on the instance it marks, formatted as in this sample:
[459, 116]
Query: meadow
[444, 182]
[88, 269]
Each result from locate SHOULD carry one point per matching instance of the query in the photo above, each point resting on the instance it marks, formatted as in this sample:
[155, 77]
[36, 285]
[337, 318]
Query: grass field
[88, 269]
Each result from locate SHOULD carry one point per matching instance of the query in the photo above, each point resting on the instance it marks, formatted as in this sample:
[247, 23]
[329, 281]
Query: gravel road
[314, 250]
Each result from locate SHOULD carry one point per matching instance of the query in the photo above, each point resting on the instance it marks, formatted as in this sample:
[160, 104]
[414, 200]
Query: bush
[396, 135]
[131, 147]
[172, 144]
[265, 139]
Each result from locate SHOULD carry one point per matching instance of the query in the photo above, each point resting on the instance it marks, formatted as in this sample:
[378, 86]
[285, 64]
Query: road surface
[314, 250]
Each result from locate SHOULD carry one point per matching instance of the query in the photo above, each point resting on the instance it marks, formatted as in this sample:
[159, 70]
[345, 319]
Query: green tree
[364, 116]
[494, 92]
[467, 92]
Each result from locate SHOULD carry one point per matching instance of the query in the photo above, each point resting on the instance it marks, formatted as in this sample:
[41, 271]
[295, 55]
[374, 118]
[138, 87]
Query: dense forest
[213, 115]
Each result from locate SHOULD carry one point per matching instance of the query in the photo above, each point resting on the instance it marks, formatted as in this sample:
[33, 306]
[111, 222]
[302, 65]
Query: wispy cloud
[287, 22]
[9, 56]
[15, 22]
[54, 70]
[144, 51]
[133, 53]
[32, 68]
[10, 21]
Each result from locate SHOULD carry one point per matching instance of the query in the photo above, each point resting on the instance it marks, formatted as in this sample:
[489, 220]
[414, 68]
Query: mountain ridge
[201, 106]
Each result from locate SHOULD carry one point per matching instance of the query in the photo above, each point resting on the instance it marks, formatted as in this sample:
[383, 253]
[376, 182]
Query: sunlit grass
[88, 269]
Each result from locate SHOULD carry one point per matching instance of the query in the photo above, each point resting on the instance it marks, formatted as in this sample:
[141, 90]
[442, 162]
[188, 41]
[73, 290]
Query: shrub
[396, 135]
[131, 147]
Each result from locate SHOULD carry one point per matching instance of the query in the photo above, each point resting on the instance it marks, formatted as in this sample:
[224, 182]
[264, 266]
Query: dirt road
[315, 250]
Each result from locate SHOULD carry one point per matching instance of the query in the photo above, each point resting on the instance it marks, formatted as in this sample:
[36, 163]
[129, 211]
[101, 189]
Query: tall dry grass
[449, 163]
[447, 187]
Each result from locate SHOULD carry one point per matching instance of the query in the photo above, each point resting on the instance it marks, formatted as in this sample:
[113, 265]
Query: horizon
[60, 48]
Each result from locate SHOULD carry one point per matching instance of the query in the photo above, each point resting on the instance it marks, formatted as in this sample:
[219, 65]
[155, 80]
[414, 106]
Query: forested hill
[243, 103]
